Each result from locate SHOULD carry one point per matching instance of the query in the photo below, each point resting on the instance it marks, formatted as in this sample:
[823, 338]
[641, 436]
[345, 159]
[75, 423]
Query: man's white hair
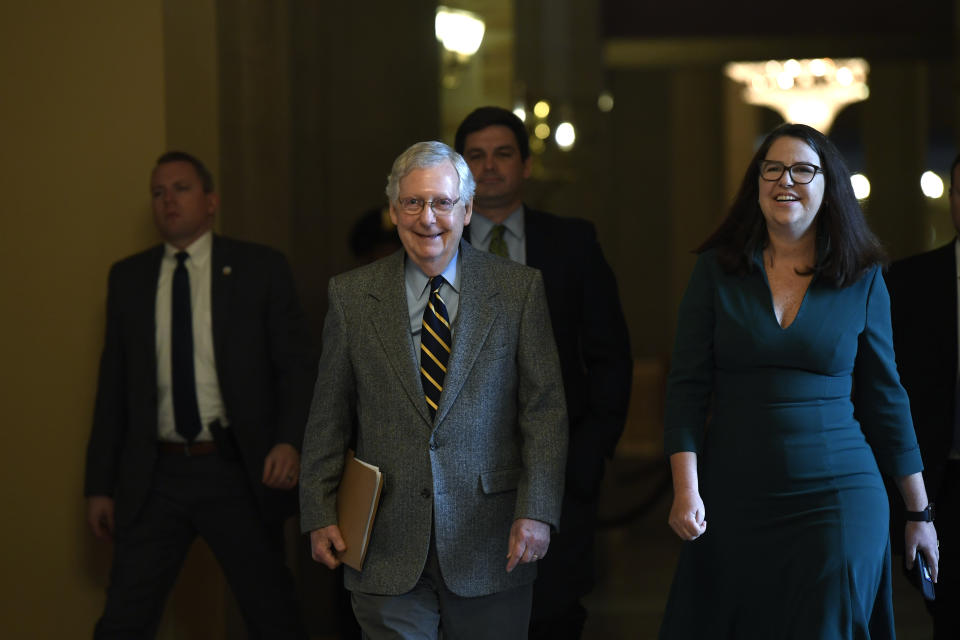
[424, 155]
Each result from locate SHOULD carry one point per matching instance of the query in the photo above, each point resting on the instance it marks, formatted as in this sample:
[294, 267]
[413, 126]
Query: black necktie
[434, 345]
[186, 414]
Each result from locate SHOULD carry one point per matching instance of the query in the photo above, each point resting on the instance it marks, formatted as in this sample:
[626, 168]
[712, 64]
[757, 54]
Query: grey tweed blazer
[495, 453]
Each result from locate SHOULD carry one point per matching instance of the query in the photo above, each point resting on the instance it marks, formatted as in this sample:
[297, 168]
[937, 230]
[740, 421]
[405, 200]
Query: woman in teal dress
[783, 407]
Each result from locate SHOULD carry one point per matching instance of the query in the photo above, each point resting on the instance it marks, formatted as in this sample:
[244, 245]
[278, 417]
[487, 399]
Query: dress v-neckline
[773, 307]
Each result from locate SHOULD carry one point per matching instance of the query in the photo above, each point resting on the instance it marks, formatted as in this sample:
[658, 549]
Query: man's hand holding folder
[322, 544]
[357, 499]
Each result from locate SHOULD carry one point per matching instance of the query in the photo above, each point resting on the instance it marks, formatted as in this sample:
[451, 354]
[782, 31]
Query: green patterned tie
[498, 246]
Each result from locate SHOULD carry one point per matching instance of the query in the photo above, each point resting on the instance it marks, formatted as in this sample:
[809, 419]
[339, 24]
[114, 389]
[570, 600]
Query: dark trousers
[206, 496]
[565, 575]
[946, 608]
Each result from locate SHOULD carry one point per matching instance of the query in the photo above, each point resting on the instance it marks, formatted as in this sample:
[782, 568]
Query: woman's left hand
[922, 536]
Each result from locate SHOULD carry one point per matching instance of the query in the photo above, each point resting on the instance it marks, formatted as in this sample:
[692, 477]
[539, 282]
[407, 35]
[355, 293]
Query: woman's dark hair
[846, 247]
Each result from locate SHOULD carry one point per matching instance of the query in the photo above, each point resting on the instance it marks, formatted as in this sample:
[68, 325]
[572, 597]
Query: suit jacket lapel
[474, 318]
[147, 281]
[538, 253]
[389, 315]
[221, 293]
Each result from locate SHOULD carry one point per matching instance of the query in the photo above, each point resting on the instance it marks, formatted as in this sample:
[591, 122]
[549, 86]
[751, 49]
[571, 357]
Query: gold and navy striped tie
[434, 345]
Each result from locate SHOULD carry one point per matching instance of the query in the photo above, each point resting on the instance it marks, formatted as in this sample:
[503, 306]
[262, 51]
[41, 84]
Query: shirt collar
[199, 250]
[417, 280]
[481, 228]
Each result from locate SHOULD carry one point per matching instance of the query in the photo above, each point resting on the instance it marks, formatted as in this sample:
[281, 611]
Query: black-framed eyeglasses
[800, 172]
[440, 206]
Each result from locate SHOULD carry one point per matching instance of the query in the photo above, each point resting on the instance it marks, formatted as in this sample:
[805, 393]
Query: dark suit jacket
[923, 310]
[494, 453]
[265, 366]
[591, 336]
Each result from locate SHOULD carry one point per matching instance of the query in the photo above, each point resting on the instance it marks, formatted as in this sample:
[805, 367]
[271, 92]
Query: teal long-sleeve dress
[791, 427]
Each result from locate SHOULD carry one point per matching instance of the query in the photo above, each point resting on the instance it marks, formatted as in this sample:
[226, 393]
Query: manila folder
[357, 500]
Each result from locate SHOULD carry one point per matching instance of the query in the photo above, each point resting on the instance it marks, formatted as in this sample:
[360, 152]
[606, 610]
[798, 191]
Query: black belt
[186, 449]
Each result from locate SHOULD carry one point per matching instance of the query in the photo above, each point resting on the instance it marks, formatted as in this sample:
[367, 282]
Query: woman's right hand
[688, 517]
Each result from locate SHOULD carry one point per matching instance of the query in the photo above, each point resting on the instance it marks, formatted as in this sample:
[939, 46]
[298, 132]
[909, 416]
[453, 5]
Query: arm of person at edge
[688, 517]
[920, 536]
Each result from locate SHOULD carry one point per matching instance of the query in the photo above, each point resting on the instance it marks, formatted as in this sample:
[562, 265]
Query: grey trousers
[430, 611]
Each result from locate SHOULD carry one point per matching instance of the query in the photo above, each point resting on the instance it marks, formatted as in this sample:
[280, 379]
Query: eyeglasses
[801, 172]
[440, 206]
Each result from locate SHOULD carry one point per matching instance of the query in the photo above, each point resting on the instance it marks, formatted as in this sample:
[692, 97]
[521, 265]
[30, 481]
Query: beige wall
[82, 118]
[92, 93]
[191, 72]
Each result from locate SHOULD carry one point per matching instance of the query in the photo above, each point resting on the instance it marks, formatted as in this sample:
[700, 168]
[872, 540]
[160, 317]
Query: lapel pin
[227, 270]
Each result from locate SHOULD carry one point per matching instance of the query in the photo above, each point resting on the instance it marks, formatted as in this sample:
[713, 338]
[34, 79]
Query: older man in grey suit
[442, 360]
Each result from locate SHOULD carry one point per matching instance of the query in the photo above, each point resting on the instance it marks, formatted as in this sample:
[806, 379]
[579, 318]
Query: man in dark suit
[203, 392]
[923, 310]
[591, 337]
[439, 358]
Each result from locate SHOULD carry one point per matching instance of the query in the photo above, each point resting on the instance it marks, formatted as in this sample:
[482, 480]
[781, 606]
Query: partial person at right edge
[592, 340]
[923, 309]
[769, 438]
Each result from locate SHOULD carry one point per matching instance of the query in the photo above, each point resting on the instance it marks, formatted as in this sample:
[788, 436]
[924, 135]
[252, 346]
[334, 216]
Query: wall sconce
[809, 92]
[461, 33]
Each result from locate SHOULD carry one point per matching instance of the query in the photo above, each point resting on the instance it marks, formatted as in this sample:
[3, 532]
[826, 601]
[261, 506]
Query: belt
[186, 449]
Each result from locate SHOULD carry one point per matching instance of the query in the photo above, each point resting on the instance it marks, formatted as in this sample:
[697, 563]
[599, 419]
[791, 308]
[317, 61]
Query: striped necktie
[498, 246]
[434, 345]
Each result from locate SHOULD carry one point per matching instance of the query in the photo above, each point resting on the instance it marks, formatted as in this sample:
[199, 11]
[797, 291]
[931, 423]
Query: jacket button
[434, 446]
[425, 493]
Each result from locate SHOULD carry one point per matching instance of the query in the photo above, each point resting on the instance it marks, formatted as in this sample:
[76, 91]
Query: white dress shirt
[205, 370]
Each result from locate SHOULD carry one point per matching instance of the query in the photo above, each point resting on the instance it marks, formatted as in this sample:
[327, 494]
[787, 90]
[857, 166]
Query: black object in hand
[919, 577]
